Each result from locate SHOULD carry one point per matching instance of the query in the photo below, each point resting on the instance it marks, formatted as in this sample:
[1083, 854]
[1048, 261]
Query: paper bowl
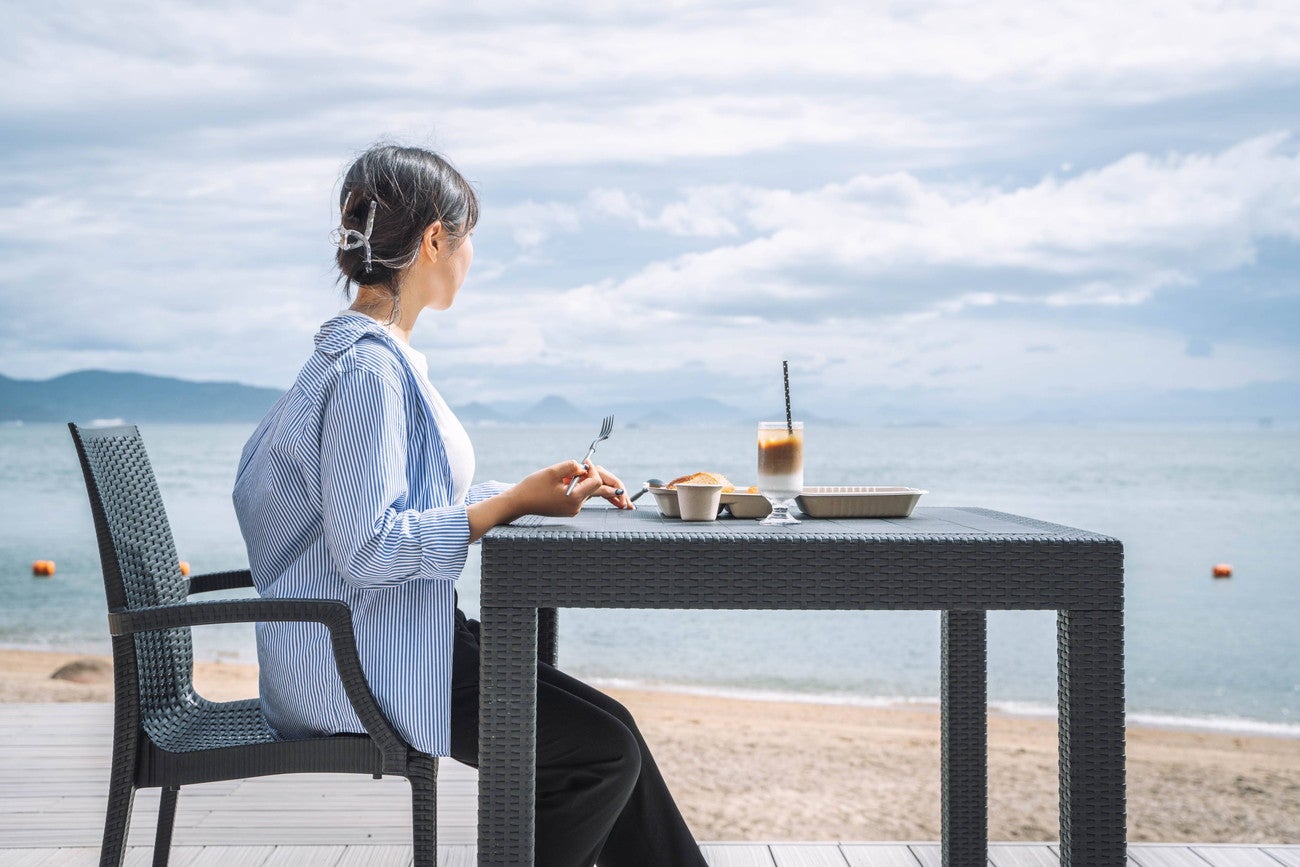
[666, 500]
[696, 502]
[744, 505]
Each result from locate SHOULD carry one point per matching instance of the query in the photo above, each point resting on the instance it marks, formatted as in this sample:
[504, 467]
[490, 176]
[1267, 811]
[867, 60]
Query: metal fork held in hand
[606, 428]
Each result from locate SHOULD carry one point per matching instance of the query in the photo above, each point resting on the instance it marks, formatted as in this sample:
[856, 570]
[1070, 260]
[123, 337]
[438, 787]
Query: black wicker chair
[164, 733]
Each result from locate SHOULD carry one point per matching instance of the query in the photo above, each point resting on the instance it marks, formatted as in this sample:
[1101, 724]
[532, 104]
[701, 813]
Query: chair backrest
[140, 568]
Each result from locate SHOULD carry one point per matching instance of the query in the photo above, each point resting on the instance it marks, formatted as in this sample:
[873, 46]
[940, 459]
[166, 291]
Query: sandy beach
[760, 770]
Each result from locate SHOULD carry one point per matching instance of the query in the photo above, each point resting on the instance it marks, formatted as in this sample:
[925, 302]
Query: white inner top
[460, 450]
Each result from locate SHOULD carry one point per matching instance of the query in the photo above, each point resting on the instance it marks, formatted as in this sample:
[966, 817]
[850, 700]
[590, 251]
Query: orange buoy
[43, 568]
[1223, 570]
[185, 567]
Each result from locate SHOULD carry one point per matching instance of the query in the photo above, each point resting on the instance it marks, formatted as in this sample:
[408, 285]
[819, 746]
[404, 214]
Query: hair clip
[350, 239]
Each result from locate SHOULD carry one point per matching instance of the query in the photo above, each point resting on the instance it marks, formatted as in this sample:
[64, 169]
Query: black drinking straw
[785, 370]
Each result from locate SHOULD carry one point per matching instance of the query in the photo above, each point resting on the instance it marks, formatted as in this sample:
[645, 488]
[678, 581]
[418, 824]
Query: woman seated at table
[357, 486]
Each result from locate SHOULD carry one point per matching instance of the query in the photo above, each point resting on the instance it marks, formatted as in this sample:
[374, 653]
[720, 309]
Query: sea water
[1199, 651]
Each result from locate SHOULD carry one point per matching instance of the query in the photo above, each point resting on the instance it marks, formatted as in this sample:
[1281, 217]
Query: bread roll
[703, 478]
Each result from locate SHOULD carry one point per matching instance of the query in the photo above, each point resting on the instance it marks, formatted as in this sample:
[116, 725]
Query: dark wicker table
[962, 562]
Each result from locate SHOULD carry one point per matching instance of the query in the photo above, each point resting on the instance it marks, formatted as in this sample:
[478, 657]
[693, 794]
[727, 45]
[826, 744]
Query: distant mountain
[679, 411]
[478, 413]
[553, 409]
[87, 395]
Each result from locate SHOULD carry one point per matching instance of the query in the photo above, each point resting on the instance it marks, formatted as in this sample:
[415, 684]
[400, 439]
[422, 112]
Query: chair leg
[423, 774]
[117, 821]
[162, 843]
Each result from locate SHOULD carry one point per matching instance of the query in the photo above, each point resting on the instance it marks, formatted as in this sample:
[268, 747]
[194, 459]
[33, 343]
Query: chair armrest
[336, 617]
[210, 581]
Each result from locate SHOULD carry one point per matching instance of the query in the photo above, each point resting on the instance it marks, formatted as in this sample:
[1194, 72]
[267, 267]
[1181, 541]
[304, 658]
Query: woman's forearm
[494, 511]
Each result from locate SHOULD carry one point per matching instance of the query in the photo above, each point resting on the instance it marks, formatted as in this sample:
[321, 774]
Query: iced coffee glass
[780, 467]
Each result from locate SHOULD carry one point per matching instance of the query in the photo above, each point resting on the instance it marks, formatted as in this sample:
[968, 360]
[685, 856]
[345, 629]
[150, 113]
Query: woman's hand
[611, 483]
[542, 493]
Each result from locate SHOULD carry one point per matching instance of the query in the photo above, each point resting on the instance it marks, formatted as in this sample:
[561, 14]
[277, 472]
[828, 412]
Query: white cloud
[865, 189]
[518, 87]
[531, 223]
[1157, 45]
[702, 213]
[1114, 235]
[658, 131]
[804, 285]
[601, 344]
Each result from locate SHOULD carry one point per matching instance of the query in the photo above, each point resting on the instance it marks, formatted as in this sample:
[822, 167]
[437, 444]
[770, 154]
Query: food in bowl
[703, 478]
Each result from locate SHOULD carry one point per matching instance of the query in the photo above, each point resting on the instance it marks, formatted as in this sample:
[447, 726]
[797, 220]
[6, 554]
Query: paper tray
[858, 501]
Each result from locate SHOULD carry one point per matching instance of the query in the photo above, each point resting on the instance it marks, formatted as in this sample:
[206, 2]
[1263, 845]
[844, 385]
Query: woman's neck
[379, 306]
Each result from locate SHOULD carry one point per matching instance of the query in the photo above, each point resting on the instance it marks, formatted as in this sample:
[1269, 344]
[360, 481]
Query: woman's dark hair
[414, 188]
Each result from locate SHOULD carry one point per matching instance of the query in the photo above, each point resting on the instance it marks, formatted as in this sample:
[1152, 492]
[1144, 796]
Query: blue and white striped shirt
[344, 492]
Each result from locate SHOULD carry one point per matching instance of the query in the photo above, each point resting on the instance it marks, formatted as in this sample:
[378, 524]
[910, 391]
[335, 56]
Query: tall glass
[780, 467]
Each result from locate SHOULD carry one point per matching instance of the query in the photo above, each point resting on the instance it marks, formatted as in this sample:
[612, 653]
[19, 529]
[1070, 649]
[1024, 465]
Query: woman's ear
[433, 236]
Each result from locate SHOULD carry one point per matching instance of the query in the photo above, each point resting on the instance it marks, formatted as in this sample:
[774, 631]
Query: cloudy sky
[955, 204]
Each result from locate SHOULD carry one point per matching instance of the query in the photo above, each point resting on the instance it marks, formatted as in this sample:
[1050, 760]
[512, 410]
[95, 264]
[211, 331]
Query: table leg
[1090, 653]
[548, 636]
[964, 739]
[507, 740]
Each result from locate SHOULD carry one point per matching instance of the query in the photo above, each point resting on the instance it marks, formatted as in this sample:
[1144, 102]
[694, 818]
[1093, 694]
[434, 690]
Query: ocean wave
[1220, 724]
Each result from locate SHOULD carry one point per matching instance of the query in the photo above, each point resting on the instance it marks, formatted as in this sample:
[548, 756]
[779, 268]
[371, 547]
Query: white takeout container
[858, 501]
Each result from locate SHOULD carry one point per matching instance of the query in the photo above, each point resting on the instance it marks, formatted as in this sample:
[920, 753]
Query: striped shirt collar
[345, 329]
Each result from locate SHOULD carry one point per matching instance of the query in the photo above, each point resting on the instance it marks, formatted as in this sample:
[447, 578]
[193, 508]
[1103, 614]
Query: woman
[356, 486]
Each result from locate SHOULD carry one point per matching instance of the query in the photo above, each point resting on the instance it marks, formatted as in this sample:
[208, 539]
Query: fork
[606, 428]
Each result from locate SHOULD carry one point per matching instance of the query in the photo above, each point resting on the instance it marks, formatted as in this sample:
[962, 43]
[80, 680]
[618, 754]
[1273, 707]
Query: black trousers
[600, 797]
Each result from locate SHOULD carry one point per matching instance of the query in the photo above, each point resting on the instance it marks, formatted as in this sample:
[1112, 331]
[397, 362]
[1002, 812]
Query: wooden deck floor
[717, 854]
[54, 773]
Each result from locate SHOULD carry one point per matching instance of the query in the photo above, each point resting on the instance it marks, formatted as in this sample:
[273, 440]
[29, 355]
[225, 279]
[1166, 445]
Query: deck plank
[878, 855]
[1235, 856]
[142, 856]
[458, 856]
[73, 857]
[24, 857]
[1289, 856]
[928, 854]
[233, 856]
[1165, 856]
[807, 855]
[737, 855]
[1023, 855]
[304, 856]
[377, 856]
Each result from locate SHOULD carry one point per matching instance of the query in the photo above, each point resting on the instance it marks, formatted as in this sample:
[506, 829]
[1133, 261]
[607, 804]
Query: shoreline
[1014, 709]
[750, 769]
